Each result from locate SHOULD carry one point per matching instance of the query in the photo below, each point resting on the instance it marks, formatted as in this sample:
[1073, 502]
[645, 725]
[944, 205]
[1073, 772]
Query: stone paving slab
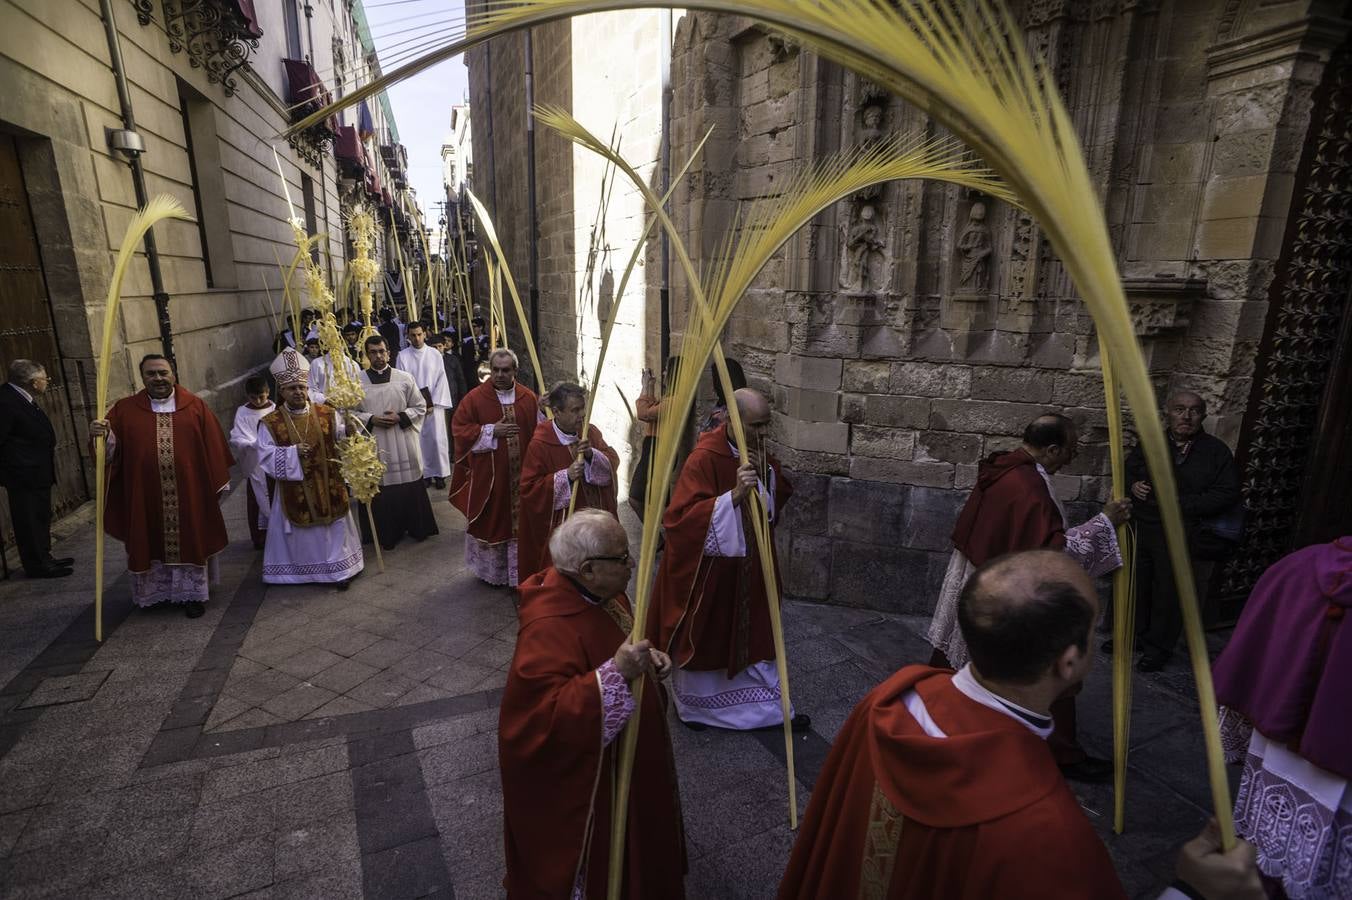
[299, 742]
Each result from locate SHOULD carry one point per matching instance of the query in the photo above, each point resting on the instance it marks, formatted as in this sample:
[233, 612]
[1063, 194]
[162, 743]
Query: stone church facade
[915, 328]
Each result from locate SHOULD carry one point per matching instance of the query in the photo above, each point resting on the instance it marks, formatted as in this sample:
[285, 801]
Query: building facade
[211, 85]
[914, 329]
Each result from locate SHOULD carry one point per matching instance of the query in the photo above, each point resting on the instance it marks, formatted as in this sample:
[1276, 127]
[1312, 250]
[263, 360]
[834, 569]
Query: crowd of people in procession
[948, 780]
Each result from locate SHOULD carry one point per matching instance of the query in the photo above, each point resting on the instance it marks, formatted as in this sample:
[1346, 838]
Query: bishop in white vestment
[313, 537]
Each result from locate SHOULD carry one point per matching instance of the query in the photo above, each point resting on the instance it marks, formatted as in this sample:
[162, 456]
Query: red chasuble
[980, 813]
[484, 485]
[1009, 510]
[163, 481]
[710, 612]
[539, 518]
[556, 776]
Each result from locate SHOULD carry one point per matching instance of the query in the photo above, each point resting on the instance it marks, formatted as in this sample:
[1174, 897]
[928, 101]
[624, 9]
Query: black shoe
[50, 572]
[801, 722]
[194, 610]
[440, 483]
[1152, 662]
[695, 726]
[64, 562]
[1090, 770]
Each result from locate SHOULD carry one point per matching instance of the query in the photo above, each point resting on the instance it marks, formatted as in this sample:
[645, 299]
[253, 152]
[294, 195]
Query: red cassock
[484, 485]
[163, 481]
[557, 777]
[980, 813]
[538, 519]
[710, 612]
[1009, 510]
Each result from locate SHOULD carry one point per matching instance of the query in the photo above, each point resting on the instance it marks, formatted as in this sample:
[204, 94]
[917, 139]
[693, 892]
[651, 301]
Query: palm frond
[159, 208]
[492, 234]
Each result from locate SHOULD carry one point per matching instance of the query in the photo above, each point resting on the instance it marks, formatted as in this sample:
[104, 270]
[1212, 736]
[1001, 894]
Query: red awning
[347, 147]
[306, 92]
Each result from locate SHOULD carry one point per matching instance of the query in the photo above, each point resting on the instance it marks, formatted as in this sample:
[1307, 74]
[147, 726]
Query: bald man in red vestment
[567, 698]
[556, 465]
[168, 464]
[492, 429]
[710, 610]
[940, 784]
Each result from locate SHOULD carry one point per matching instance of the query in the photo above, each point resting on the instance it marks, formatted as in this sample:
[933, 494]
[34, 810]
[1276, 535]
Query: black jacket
[1208, 481]
[27, 442]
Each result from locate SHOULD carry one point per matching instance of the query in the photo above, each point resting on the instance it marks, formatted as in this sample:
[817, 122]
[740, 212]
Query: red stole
[557, 778]
[981, 813]
[710, 612]
[539, 518]
[1009, 510]
[164, 479]
[484, 486]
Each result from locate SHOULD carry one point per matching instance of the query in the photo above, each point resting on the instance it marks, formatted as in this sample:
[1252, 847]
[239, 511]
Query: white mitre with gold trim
[290, 367]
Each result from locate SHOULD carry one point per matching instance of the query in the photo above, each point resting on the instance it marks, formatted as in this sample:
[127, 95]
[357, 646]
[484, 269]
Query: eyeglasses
[623, 560]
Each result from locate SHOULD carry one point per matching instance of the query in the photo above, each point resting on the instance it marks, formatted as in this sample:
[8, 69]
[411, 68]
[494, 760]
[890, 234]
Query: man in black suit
[28, 468]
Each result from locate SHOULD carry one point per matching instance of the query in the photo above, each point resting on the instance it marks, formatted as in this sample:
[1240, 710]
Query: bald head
[1019, 613]
[755, 412]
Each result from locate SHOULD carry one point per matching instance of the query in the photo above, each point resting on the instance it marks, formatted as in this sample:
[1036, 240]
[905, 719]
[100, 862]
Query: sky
[403, 30]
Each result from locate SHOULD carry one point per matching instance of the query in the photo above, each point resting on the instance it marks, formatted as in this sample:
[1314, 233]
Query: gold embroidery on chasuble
[321, 498]
[513, 462]
[619, 615]
[880, 847]
[164, 449]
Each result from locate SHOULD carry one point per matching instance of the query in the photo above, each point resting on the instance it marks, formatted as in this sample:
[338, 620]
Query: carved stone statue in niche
[975, 247]
[863, 251]
[871, 124]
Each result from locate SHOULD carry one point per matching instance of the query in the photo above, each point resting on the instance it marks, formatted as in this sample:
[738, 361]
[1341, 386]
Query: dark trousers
[1159, 618]
[30, 509]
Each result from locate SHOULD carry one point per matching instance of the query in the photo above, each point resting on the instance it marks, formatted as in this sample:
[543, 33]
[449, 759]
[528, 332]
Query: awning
[347, 147]
[306, 92]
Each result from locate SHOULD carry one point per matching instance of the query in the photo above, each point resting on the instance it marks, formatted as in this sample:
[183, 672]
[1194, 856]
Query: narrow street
[301, 742]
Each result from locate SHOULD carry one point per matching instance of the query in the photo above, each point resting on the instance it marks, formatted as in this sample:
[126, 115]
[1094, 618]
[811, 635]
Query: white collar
[167, 405]
[564, 438]
[22, 393]
[966, 682]
[292, 412]
[506, 396]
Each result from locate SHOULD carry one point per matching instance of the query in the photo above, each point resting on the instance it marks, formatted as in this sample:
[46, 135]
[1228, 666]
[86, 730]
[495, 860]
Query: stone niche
[1160, 309]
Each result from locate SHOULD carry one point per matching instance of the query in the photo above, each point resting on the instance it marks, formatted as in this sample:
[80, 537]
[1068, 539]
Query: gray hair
[23, 371]
[1185, 392]
[579, 538]
[503, 351]
[560, 393]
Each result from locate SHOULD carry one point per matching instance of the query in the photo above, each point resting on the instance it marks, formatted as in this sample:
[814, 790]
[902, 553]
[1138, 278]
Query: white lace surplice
[1093, 545]
[1297, 815]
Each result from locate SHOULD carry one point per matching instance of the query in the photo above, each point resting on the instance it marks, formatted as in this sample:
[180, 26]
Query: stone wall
[915, 328]
[60, 96]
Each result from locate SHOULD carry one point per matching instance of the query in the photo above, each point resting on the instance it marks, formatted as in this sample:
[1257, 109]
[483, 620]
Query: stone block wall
[915, 328]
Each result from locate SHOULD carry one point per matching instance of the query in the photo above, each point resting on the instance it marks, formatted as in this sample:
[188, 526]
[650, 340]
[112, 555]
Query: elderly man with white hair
[28, 468]
[492, 429]
[570, 690]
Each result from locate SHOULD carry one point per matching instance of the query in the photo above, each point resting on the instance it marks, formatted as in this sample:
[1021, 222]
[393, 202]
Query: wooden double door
[27, 330]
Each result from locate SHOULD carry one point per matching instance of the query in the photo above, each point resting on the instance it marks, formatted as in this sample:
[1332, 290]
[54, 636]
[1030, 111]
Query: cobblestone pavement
[301, 742]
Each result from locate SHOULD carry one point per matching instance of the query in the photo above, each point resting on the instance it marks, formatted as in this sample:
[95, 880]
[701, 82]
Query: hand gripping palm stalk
[158, 209]
[969, 70]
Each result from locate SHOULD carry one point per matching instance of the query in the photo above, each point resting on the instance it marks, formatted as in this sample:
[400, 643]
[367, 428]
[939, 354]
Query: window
[307, 193]
[292, 17]
[208, 186]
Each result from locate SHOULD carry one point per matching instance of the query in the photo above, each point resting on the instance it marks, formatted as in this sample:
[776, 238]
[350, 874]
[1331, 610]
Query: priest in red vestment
[940, 784]
[556, 465]
[169, 462]
[710, 610]
[568, 696]
[1014, 507]
[491, 431]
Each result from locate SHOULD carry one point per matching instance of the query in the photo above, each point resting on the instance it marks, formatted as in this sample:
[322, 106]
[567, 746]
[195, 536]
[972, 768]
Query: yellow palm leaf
[491, 233]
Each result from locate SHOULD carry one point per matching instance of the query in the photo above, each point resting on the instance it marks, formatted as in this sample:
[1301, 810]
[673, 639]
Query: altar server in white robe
[244, 447]
[312, 537]
[426, 365]
[393, 412]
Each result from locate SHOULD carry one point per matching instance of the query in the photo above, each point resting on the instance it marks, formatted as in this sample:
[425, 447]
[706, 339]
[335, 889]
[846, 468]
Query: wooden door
[27, 331]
